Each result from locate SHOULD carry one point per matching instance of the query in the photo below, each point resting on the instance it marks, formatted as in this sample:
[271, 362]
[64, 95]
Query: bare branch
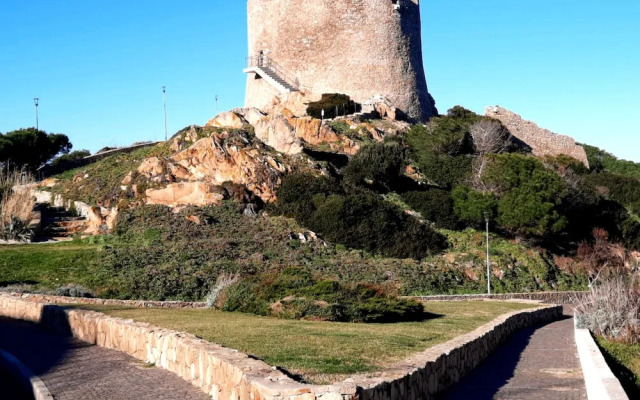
[489, 136]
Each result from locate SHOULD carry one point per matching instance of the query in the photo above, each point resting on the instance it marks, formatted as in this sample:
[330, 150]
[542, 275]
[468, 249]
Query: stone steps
[59, 223]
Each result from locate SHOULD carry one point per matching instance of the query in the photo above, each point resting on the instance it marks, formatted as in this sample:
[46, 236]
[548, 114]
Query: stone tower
[361, 48]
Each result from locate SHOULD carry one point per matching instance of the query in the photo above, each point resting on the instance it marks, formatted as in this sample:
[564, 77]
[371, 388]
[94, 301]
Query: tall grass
[612, 310]
[16, 204]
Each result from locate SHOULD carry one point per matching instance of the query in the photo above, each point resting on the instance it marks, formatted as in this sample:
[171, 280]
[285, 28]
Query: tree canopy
[31, 148]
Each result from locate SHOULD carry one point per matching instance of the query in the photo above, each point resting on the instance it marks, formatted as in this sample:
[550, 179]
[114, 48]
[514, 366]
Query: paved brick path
[74, 370]
[536, 363]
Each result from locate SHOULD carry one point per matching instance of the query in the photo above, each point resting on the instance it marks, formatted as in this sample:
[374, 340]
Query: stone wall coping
[548, 297]
[424, 373]
[559, 297]
[50, 299]
[600, 381]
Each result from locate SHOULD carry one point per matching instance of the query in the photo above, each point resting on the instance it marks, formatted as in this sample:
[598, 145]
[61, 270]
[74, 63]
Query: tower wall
[357, 47]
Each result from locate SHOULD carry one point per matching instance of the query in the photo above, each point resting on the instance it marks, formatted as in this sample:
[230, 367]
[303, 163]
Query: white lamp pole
[36, 102]
[486, 218]
[164, 98]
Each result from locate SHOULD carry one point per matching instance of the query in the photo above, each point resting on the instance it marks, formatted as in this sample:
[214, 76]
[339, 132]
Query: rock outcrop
[543, 142]
[227, 119]
[284, 130]
[193, 193]
[193, 175]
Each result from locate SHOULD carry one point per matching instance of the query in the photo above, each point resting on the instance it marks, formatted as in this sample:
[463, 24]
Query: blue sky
[98, 66]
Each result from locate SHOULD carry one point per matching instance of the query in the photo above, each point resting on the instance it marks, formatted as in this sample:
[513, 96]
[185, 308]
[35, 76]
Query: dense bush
[294, 294]
[625, 190]
[471, 205]
[442, 148]
[446, 171]
[334, 105]
[443, 135]
[529, 195]
[362, 220]
[600, 160]
[368, 222]
[300, 195]
[435, 205]
[378, 165]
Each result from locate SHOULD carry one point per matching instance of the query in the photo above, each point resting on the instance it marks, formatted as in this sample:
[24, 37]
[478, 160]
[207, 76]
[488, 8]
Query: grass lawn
[47, 266]
[323, 352]
[624, 361]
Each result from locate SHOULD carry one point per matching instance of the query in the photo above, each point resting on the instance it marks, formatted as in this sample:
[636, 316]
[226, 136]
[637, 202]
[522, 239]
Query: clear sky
[98, 66]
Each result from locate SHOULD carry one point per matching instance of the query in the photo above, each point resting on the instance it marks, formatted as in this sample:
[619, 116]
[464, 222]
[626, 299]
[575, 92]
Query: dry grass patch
[16, 204]
[322, 352]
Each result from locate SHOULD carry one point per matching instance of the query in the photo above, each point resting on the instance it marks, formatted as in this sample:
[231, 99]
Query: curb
[601, 383]
[26, 377]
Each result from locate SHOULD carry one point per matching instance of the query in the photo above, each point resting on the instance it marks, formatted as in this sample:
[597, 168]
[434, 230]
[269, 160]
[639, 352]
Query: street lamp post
[164, 98]
[36, 102]
[486, 218]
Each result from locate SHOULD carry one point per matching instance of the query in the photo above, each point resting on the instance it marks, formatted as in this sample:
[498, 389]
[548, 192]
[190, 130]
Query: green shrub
[471, 205]
[600, 160]
[243, 297]
[299, 195]
[378, 165]
[435, 205]
[623, 189]
[293, 294]
[447, 172]
[362, 220]
[563, 163]
[442, 150]
[367, 222]
[443, 136]
[529, 195]
[384, 310]
[16, 229]
[333, 104]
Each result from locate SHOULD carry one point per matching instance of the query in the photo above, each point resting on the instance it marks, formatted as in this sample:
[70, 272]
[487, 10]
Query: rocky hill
[367, 200]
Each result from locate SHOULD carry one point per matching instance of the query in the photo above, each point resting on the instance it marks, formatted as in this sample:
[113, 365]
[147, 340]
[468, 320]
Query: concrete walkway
[74, 370]
[536, 363]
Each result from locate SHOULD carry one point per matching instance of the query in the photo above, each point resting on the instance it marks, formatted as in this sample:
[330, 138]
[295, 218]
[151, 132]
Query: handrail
[267, 63]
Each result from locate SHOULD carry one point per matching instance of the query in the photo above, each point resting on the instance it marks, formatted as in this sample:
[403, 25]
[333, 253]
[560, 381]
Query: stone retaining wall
[227, 374]
[43, 298]
[543, 142]
[545, 297]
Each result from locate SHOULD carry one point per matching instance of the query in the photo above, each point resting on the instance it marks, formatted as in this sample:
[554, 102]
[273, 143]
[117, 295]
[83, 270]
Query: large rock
[316, 132]
[184, 193]
[296, 102]
[100, 220]
[153, 168]
[543, 142]
[227, 119]
[212, 161]
[251, 115]
[276, 131]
